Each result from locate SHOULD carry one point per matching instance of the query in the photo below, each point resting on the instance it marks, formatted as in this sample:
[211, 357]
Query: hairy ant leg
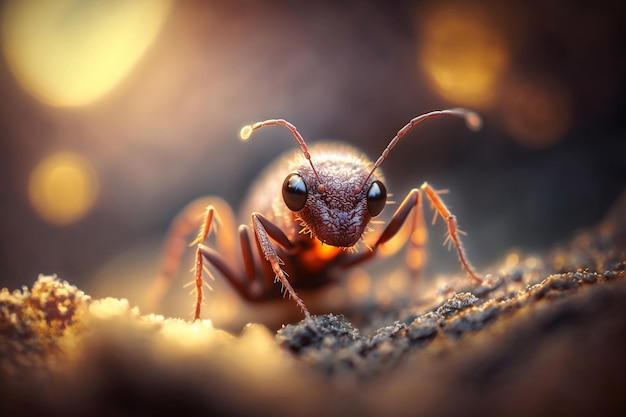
[263, 230]
[206, 211]
[416, 252]
[453, 229]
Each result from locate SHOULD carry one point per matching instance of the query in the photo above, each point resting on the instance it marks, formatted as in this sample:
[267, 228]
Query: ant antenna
[247, 130]
[472, 119]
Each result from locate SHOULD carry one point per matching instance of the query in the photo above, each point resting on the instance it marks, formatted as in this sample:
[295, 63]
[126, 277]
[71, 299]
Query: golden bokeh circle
[63, 187]
[462, 52]
[72, 52]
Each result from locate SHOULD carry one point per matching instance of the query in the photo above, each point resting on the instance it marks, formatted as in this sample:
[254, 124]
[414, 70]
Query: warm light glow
[536, 111]
[533, 262]
[419, 236]
[71, 52]
[384, 296]
[109, 307]
[325, 252]
[397, 242]
[462, 52]
[511, 260]
[245, 132]
[558, 261]
[196, 335]
[359, 284]
[256, 350]
[397, 281]
[474, 121]
[223, 306]
[416, 259]
[335, 297]
[62, 188]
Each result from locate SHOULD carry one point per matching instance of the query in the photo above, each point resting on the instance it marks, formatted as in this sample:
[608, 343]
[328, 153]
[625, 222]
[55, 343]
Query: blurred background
[115, 114]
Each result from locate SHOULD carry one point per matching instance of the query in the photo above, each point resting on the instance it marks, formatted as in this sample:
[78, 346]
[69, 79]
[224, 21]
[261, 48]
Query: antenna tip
[473, 120]
[245, 132]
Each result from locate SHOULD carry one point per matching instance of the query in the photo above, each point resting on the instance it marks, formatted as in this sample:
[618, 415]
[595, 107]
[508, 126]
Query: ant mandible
[330, 193]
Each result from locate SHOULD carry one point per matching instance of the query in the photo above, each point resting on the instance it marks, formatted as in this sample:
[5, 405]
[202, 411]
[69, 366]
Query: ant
[330, 193]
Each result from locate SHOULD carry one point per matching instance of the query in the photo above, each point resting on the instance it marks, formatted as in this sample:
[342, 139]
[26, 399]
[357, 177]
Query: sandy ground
[545, 336]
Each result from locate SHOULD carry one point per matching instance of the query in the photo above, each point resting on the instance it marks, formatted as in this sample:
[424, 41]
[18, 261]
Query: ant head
[338, 216]
[322, 195]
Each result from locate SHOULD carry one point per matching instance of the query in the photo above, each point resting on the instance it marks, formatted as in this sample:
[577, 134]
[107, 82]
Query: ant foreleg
[418, 233]
[263, 230]
[453, 230]
[247, 286]
[214, 258]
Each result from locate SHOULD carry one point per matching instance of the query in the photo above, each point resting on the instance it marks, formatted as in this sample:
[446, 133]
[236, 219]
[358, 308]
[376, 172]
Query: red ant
[330, 193]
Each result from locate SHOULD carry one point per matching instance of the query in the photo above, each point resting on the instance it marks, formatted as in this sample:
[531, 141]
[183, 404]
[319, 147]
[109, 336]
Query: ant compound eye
[294, 192]
[376, 198]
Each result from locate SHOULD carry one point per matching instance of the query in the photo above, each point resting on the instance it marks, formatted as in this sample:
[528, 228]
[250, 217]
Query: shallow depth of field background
[114, 115]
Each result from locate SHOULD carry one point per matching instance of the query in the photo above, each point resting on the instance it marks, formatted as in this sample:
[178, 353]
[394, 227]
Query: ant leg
[248, 286]
[415, 254]
[245, 288]
[418, 234]
[453, 230]
[416, 250]
[246, 251]
[205, 210]
[255, 286]
[263, 230]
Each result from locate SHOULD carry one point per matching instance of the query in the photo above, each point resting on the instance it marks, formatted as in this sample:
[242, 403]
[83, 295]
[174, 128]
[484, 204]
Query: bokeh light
[462, 52]
[63, 188]
[358, 284]
[72, 52]
[536, 111]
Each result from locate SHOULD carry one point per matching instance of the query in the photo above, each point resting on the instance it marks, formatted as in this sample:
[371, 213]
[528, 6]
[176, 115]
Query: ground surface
[546, 336]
